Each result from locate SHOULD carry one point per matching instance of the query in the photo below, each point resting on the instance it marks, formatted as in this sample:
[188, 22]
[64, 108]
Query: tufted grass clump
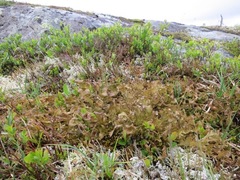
[128, 90]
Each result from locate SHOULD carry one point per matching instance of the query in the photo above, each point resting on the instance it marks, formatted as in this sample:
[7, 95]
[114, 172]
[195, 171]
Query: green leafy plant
[19, 108]
[94, 164]
[124, 140]
[106, 162]
[2, 96]
[223, 86]
[198, 49]
[233, 47]
[172, 137]
[6, 3]
[39, 156]
[177, 91]
[141, 39]
[32, 89]
[149, 126]
[9, 49]
[66, 90]
[164, 27]
[163, 51]
[59, 100]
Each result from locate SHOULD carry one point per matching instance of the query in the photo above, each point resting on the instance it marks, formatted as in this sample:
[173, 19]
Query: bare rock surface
[197, 32]
[31, 20]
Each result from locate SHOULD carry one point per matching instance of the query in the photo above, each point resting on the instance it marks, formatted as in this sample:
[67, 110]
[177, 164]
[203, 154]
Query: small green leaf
[149, 126]
[147, 163]
[39, 156]
[5, 160]
[24, 136]
[122, 142]
[173, 144]
[83, 111]
[173, 136]
[66, 90]
[10, 129]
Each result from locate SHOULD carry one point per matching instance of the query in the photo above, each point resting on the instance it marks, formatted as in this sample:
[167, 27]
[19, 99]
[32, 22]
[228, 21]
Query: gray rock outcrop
[31, 21]
[196, 31]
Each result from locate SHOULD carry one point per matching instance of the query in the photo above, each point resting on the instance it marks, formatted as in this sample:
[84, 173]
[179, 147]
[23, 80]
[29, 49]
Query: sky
[191, 12]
